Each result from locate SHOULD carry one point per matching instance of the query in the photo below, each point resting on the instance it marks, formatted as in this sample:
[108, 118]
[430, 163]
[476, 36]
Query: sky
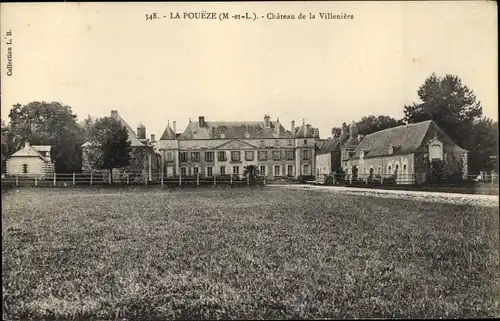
[98, 57]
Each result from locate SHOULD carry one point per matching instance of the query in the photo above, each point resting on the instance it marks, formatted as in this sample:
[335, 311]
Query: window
[290, 154]
[222, 156]
[183, 171]
[290, 169]
[262, 143]
[305, 141]
[436, 151]
[290, 142]
[170, 156]
[378, 170]
[209, 171]
[195, 170]
[262, 155]
[306, 154]
[235, 156]
[195, 156]
[446, 158]
[183, 156]
[236, 170]
[277, 170]
[209, 156]
[389, 170]
[249, 155]
[276, 154]
[263, 170]
[222, 170]
[391, 150]
[25, 168]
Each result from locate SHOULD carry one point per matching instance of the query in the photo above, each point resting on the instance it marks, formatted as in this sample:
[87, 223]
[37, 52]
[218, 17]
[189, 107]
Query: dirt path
[453, 198]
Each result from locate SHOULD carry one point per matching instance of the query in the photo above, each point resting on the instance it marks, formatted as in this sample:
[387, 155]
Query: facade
[405, 152]
[31, 160]
[144, 159]
[221, 147]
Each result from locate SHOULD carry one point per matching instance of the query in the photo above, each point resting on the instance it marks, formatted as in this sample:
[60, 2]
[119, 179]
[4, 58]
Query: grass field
[248, 253]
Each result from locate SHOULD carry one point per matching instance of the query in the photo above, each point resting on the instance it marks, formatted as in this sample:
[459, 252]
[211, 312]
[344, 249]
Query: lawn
[244, 253]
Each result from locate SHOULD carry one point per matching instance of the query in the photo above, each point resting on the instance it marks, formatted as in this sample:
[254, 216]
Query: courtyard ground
[246, 253]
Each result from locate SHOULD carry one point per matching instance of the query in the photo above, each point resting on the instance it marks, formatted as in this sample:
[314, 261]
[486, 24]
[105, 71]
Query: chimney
[26, 144]
[175, 128]
[316, 133]
[141, 131]
[114, 114]
[293, 126]
[360, 137]
[201, 121]
[153, 138]
[267, 121]
[353, 130]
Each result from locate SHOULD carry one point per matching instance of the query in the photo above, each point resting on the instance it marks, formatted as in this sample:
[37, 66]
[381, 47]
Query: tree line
[445, 100]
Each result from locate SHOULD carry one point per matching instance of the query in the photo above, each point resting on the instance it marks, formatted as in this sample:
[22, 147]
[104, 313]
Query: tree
[483, 144]
[53, 124]
[372, 124]
[251, 170]
[449, 103]
[109, 145]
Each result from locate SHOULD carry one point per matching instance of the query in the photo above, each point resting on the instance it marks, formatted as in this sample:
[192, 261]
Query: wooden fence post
[90, 178]
[180, 179]
[215, 180]
[264, 181]
[231, 180]
[162, 179]
[74, 178]
[198, 179]
[17, 179]
[109, 178]
[248, 179]
[128, 179]
[36, 179]
[54, 178]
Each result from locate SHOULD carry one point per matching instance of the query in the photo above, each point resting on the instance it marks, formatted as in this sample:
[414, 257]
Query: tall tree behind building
[43, 123]
[454, 108]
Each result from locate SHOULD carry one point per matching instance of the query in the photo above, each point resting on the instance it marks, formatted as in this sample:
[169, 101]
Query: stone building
[405, 153]
[225, 147]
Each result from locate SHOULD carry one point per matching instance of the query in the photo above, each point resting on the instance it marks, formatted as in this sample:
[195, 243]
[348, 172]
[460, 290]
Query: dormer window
[435, 150]
[222, 135]
[391, 150]
[361, 154]
[247, 134]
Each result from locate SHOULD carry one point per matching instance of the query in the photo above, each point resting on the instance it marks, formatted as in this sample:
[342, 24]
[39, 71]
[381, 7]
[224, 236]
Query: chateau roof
[408, 139]
[234, 130]
[168, 133]
[329, 146]
[304, 131]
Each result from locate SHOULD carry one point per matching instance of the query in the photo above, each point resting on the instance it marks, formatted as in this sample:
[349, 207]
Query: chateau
[207, 148]
[211, 148]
